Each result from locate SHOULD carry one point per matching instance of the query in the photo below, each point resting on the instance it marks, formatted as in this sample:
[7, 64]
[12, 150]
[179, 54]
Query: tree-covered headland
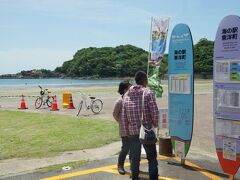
[120, 61]
[125, 60]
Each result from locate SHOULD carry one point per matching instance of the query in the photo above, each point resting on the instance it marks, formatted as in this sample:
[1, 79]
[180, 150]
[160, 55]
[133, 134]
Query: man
[131, 115]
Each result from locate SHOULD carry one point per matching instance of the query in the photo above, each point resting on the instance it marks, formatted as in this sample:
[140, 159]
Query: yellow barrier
[66, 99]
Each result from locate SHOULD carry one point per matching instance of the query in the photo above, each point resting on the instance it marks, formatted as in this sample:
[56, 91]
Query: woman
[117, 111]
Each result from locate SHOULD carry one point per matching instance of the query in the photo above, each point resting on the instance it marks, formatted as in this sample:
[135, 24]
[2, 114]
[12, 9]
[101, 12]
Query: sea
[56, 82]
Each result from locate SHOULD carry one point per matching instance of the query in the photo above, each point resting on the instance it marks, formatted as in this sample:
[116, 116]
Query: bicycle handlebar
[42, 92]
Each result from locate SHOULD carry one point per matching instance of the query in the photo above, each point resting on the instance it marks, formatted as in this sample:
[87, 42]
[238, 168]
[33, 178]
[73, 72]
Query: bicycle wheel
[49, 101]
[38, 102]
[79, 107]
[96, 106]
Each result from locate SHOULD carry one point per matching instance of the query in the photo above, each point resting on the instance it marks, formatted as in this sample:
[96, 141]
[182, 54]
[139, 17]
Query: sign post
[226, 94]
[180, 90]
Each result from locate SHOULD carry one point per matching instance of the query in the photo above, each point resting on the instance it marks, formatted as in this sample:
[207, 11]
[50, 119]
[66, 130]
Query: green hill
[125, 60]
[121, 61]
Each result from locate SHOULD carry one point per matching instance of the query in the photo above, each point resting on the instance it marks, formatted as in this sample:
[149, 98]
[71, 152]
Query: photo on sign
[227, 71]
[227, 128]
[229, 149]
[180, 83]
[235, 71]
[227, 100]
[222, 71]
[180, 149]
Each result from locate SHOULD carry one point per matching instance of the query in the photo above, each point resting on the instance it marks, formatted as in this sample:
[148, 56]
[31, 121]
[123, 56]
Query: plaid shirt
[132, 109]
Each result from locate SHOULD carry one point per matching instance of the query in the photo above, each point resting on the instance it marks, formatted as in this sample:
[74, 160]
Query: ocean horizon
[56, 82]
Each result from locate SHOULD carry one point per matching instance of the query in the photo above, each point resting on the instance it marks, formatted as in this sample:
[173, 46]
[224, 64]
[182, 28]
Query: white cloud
[16, 60]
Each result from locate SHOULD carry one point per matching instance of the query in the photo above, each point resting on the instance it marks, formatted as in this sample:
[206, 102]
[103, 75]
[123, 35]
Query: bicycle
[94, 104]
[44, 98]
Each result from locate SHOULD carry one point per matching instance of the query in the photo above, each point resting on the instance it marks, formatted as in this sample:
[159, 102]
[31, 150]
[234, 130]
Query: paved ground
[197, 167]
[10, 167]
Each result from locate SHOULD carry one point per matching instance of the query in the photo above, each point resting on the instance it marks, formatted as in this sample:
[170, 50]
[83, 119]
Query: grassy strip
[43, 135]
[58, 167]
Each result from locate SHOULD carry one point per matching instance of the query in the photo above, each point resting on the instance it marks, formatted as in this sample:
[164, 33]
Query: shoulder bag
[146, 136]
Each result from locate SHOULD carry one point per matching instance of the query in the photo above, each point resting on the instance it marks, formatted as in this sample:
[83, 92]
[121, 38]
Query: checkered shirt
[132, 109]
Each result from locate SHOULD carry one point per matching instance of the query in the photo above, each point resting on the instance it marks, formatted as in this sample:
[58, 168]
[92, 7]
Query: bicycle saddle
[91, 97]
[42, 92]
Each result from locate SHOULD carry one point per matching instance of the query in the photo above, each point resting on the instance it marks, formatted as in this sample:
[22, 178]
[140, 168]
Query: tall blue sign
[180, 89]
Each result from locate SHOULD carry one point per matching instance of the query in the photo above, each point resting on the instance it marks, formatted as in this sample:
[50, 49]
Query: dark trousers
[124, 151]
[135, 153]
[151, 152]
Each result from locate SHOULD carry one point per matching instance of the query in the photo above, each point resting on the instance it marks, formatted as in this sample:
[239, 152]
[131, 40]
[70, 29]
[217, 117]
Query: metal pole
[231, 177]
[149, 52]
[182, 162]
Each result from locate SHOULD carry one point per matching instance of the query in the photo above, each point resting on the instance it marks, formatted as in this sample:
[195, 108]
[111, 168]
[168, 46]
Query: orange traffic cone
[71, 106]
[23, 104]
[54, 104]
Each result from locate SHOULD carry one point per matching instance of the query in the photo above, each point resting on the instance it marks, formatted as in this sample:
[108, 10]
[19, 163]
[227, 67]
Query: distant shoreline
[80, 78]
[56, 82]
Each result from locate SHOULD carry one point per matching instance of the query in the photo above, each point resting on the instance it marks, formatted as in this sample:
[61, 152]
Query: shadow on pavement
[198, 169]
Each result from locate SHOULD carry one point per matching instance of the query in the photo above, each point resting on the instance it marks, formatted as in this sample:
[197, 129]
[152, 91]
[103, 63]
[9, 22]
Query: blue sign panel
[180, 87]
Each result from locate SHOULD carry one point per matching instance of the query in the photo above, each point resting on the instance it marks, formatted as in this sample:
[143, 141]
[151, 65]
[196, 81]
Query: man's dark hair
[123, 86]
[140, 77]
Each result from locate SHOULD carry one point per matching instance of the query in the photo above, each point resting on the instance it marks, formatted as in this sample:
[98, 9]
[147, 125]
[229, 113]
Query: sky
[37, 34]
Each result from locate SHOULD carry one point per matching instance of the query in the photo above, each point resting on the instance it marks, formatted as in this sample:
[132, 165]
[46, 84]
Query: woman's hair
[123, 86]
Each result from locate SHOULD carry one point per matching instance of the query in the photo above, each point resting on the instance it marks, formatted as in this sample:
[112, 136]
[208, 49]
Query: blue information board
[180, 89]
